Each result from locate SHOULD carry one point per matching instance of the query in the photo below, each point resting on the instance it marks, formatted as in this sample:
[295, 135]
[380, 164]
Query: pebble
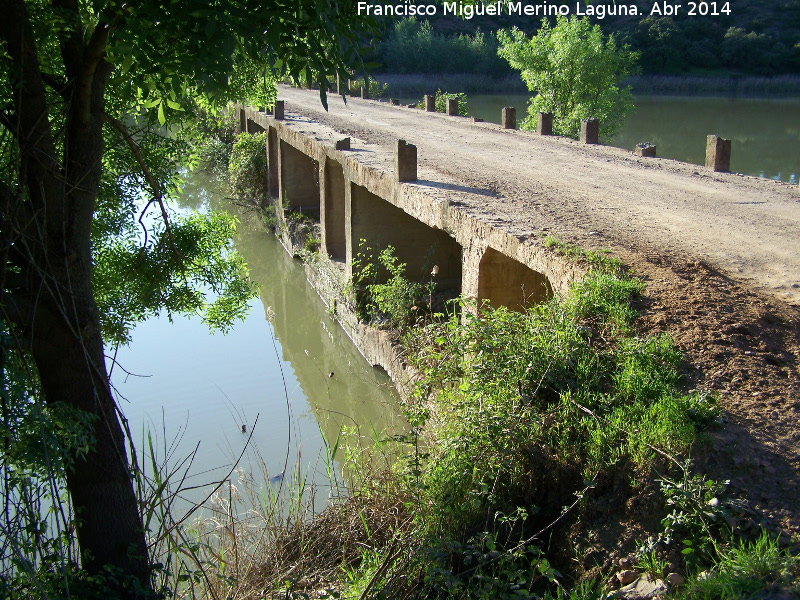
[627, 576]
[675, 579]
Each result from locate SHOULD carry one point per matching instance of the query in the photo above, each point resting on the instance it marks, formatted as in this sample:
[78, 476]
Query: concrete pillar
[342, 144]
[394, 101]
[544, 123]
[332, 216]
[509, 120]
[645, 149]
[242, 119]
[452, 107]
[273, 171]
[590, 131]
[279, 106]
[718, 153]
[405, 161]
[365, 91]
[338, 84]
[430, 103]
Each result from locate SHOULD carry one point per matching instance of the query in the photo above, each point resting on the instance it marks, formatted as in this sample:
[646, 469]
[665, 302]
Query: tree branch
[72, 42]
[58, 85]
[120, 127]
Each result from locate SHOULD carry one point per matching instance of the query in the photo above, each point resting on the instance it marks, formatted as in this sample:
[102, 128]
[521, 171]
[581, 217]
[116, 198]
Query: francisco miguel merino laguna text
[541, 9]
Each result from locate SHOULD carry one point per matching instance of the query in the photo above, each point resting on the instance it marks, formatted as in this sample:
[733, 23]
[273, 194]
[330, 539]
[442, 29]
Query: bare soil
[720, 253]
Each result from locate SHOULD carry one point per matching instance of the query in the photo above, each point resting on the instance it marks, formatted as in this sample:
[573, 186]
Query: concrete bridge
[477, 200]
[378, 197]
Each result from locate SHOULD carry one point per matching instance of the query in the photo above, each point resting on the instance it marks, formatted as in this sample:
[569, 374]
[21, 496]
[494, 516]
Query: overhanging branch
[157, 197]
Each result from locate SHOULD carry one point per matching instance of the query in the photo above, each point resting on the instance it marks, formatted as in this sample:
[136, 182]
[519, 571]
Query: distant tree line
[759, 37]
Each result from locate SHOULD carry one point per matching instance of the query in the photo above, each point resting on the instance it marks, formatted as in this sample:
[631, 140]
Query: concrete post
[343, 144]
[590, 131]
[452, 107]
[405, 161]
[718, 153]
[365, 90]
[430, 103]
[544, 123]
[338, 84]
[509, 120]
[279, 106]
[645, 149]
[242, 119]
[394, 101]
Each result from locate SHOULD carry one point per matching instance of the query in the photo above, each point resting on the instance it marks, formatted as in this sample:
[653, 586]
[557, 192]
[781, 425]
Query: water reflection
[298, 374]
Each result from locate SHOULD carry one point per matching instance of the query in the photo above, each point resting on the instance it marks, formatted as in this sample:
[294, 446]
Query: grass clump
[745, 570]
[596, 260]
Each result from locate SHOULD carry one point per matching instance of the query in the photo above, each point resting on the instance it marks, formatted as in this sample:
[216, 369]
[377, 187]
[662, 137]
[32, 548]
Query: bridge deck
[592, 195]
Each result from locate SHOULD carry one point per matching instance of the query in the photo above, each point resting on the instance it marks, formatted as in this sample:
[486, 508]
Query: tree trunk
[48, 297]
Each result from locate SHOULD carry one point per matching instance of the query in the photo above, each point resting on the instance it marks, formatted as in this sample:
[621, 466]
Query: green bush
[248, 167]
[526, 406]
[392, 303]
[441, 102]
[575, 72]
[376, 88]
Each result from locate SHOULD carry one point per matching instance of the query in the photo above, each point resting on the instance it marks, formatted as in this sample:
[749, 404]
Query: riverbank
[598, 531]
[733, 86]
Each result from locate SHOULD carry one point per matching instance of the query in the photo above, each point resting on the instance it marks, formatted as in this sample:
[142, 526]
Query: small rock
[675, 579]
[644, 588]
[627, 576]
[625, 562]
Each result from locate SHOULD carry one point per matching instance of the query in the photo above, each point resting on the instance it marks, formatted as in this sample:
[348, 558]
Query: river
[765, 134]
[288, 379]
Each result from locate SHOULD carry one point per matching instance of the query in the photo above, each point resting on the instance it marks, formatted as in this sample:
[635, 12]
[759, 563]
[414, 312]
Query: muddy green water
[765, 134]
[289, 381]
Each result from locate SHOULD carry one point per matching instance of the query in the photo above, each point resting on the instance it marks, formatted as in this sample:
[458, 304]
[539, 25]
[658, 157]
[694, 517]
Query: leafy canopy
[575, 71]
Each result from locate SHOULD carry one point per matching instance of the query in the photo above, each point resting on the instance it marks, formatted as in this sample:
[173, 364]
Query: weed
[394, 302]
[376, 88]
[650, 563]
[744, 570]
[597, 260]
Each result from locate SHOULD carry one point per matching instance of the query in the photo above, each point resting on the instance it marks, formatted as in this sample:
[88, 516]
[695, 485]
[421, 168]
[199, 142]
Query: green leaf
[161, 118]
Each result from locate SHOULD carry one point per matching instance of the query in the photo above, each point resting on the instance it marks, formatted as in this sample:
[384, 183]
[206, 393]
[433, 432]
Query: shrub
[248, 167]
[441, 102]
[575, 71]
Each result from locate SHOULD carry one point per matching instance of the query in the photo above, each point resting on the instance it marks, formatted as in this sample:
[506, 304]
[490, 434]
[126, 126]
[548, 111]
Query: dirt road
[719, 252]
[593, 195]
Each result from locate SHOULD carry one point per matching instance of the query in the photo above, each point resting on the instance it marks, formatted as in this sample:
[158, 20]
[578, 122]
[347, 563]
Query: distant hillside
[759, 37]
